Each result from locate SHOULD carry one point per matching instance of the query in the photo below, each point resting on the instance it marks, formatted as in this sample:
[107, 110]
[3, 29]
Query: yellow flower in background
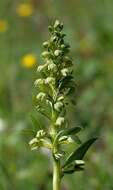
[29, 60]
[25, 9]
[3, 25]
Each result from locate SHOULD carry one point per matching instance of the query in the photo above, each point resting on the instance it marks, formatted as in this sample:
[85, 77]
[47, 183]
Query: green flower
[58, 106]
[41, 134]
[60, 121]
[52, 67]
[41, 96]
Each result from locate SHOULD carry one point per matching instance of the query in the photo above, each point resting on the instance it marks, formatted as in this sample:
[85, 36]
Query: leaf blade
[35, 122]
[79, 153]
[72, 131]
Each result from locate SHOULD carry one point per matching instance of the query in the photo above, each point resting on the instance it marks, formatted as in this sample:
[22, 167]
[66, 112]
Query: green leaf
[77, 139]
[72, 131]
[36, 123]
[43, 110]
[65, 82]
[28, 132]
[79, 153]
[69, 171]
[70, 88]
[57, 137]
[78, 166]
[77, 169]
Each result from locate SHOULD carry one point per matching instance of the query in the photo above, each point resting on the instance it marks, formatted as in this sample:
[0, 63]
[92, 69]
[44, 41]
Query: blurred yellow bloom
[3, 25]
[25, 9]
[29, 60]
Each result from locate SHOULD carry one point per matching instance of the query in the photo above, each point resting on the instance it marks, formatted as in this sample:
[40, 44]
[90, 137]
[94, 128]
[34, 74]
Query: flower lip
[33, 141]
[49, 80]
[39, 82]
[41, 96]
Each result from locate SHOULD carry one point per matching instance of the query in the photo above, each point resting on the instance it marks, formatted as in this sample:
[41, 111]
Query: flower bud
[57, 52]
[57, 24]
[60, 121]
[66, 140]
[70, 140]
[45, 44]
[58, 156]
[67, 61]
[61, 98]
[45, 54]
[33, 141]
[63, 138]
[52, 67]
[49, 61]
[58, 106]
[79, 162]
[34, 144]
[65, 71]
[50, 28]
[53, 39]
[40, 68]
[34, 147]
[63, 46]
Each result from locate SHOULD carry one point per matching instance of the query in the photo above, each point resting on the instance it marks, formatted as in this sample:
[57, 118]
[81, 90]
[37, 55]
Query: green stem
[56, 174]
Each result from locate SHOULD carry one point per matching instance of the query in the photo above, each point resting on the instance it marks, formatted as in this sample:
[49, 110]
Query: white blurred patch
[2, 125]
[45, 151]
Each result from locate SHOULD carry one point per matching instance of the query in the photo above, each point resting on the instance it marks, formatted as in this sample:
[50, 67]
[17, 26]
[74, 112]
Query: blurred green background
[23, 28]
